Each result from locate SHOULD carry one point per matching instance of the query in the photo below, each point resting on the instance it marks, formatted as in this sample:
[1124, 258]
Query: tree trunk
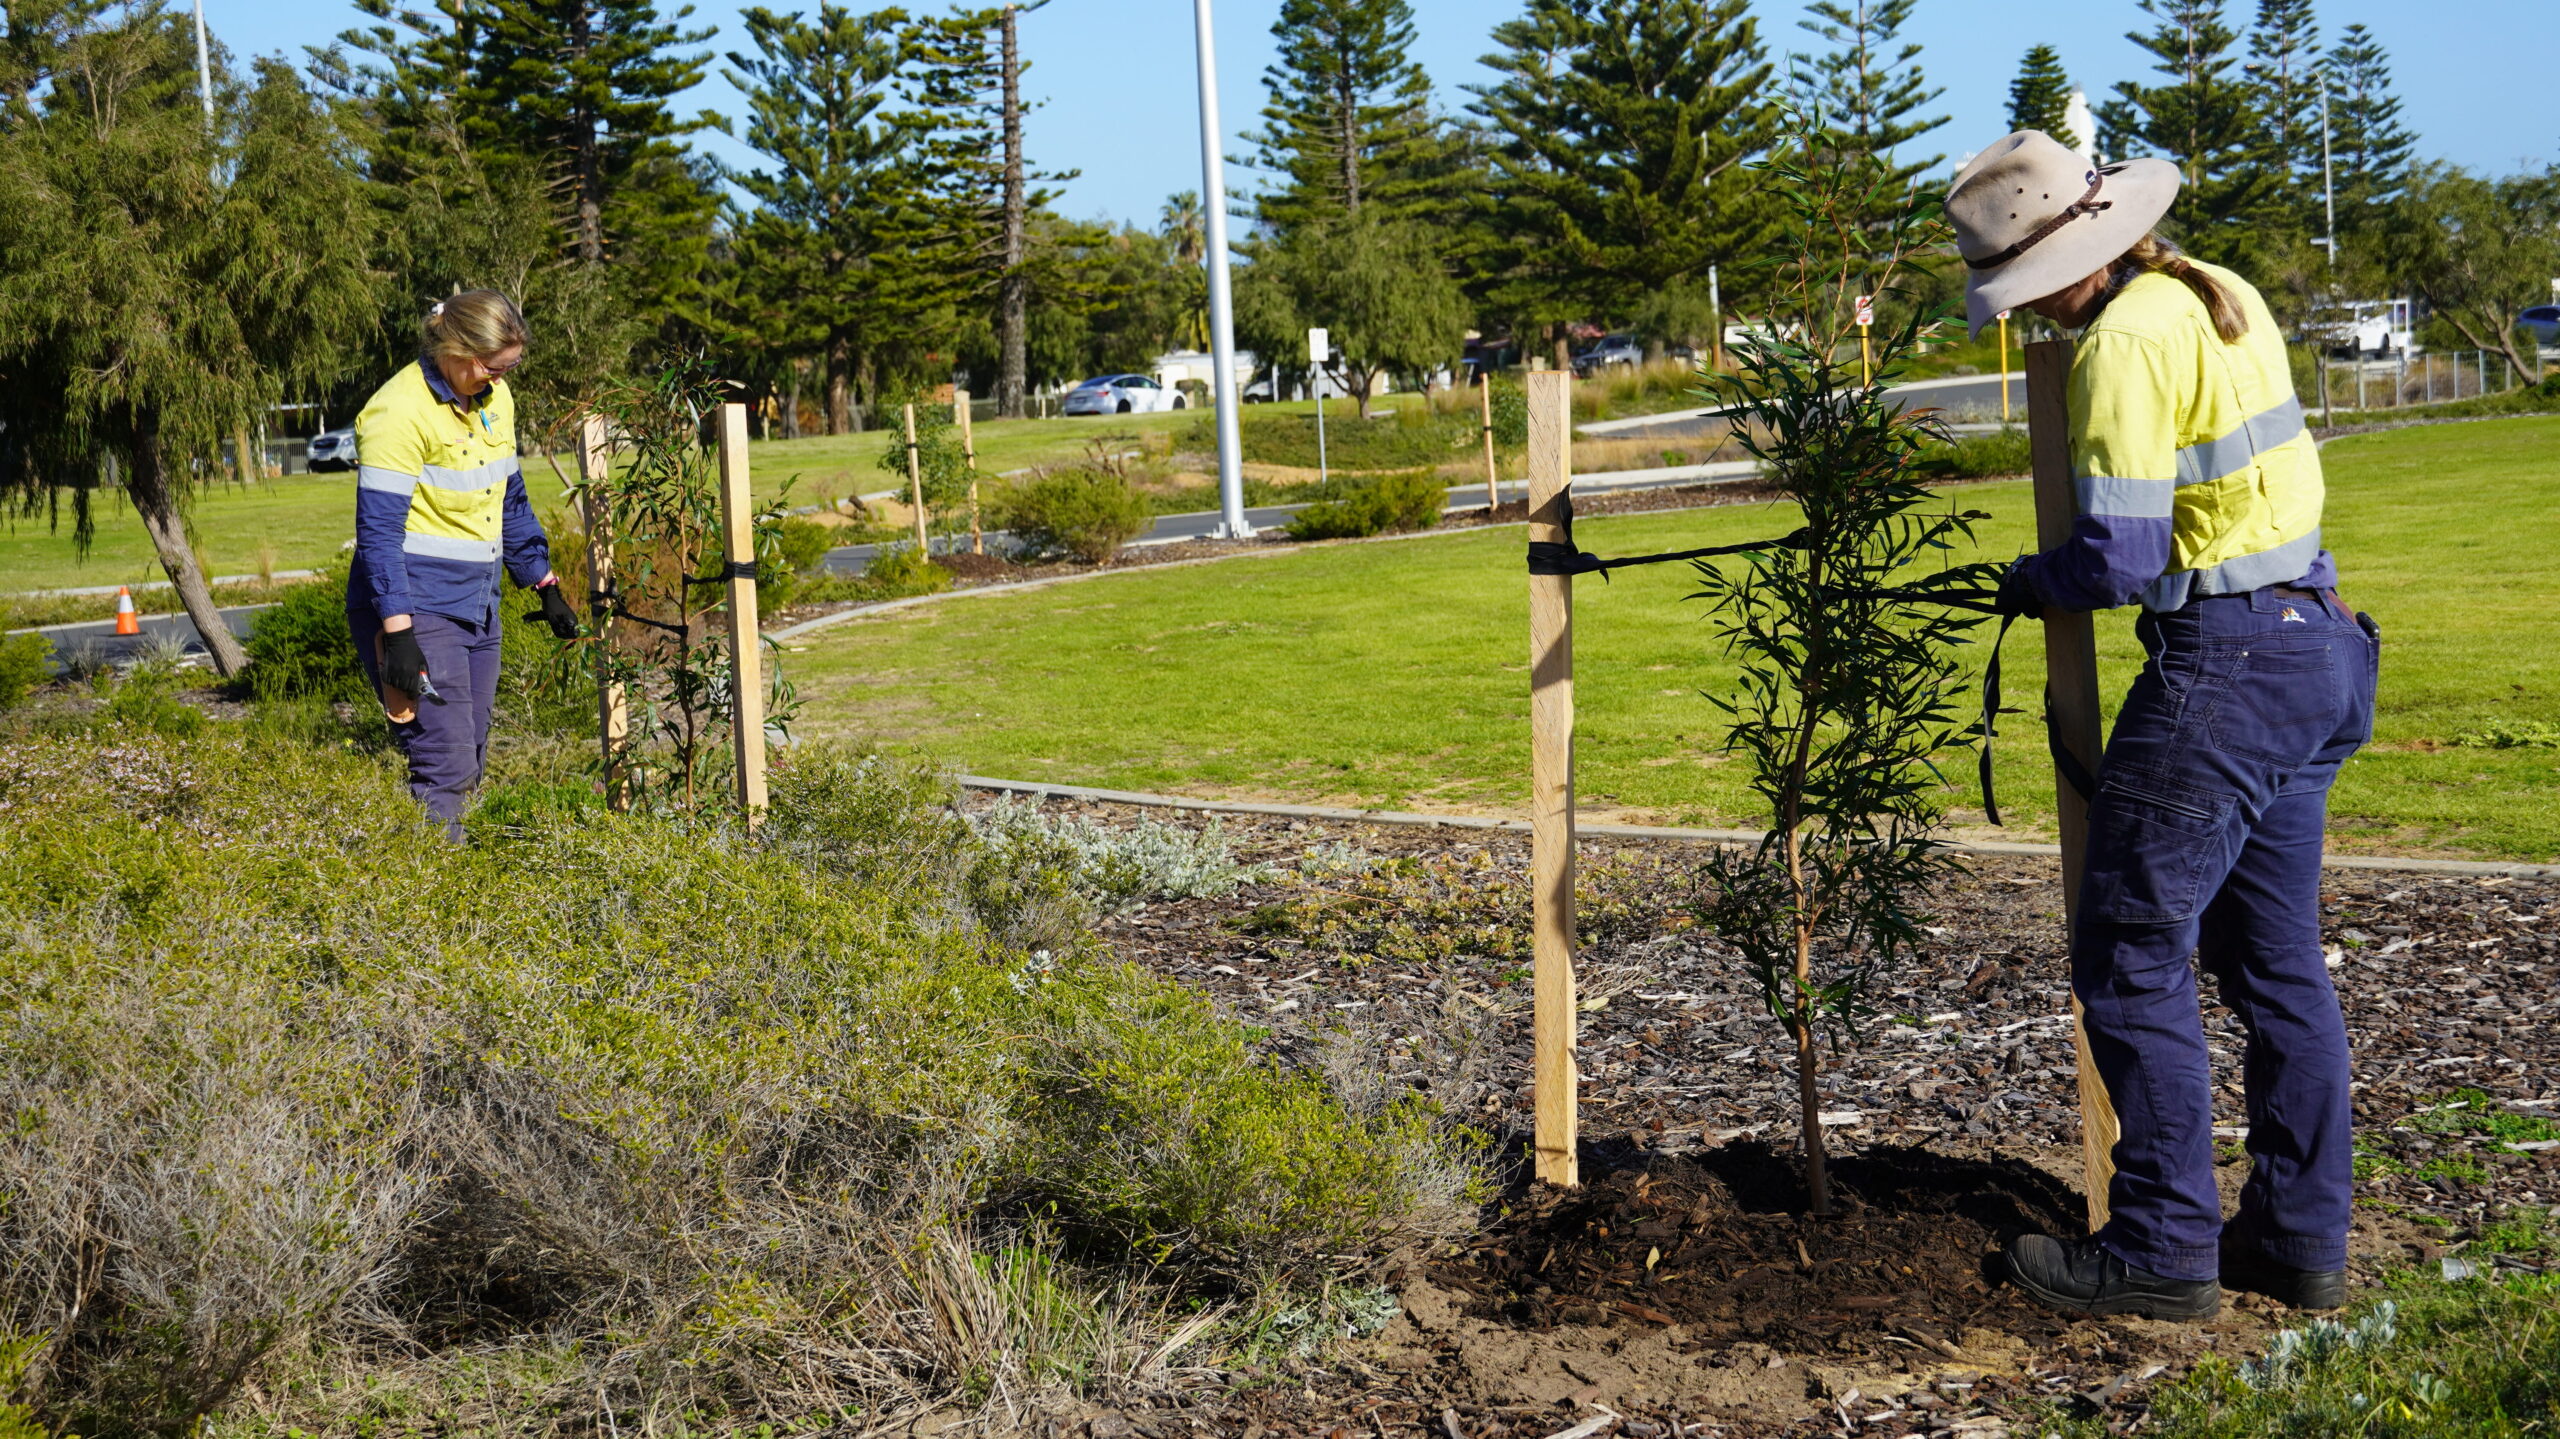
[588, 156]
[791, 417]
[148, 489]
[1347, 106]
[839, 384]
[1013, 287]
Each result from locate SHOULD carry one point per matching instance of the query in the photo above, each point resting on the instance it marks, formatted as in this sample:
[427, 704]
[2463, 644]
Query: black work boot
[2245, 1266]
[2078, 1275]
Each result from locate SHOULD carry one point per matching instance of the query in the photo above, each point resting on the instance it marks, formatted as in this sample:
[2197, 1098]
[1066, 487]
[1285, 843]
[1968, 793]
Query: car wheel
[1124, 407]
[1177, 402]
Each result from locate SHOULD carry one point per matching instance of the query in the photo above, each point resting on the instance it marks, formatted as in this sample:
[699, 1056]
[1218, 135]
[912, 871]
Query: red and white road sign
[1866, 309]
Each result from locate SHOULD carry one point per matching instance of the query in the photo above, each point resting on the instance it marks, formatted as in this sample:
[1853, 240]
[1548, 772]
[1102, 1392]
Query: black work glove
[2018, 599]
[556, 613]
[404, 665]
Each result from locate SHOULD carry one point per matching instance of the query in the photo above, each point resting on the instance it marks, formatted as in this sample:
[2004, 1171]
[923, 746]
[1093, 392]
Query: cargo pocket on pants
[2151, 843]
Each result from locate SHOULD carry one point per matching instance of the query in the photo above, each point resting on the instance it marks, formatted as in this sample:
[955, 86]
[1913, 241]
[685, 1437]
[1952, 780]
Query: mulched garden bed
[1682, 1284]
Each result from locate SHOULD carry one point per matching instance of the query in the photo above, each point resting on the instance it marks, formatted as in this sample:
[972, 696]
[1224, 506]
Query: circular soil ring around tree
[1719, 1244]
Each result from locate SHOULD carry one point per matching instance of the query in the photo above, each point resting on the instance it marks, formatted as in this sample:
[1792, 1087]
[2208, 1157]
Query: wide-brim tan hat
[2033, 217]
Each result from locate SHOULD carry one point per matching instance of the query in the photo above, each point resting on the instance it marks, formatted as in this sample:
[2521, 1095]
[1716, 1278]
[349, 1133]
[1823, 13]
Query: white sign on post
[1866, 309]
[1319, 346]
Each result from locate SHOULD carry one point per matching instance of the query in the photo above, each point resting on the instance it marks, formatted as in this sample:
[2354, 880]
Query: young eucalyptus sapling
[660, 499]
[1844, 631]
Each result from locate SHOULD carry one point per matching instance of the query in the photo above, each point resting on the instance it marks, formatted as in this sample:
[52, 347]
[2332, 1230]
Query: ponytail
[2160, 257]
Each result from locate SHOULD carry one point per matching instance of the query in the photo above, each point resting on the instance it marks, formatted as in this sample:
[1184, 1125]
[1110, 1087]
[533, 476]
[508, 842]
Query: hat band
[2088, 204]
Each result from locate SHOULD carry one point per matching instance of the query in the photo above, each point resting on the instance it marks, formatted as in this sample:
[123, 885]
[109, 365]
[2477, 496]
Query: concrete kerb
[1650, 831]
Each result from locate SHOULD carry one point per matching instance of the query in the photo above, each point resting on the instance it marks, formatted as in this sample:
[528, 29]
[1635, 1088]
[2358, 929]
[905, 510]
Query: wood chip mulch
[1682, 1285]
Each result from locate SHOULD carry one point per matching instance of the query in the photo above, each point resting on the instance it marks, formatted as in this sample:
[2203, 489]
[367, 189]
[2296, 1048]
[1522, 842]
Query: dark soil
[1720, 1244]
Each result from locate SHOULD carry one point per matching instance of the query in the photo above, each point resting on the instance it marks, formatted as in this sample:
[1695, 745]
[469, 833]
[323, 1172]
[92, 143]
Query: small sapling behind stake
[1845, 632]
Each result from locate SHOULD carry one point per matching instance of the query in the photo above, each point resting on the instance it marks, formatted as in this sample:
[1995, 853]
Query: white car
[333, 451]
[1121, 395]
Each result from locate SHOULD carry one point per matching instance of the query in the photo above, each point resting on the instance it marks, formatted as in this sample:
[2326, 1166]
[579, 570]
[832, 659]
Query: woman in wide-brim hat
[2199, 496]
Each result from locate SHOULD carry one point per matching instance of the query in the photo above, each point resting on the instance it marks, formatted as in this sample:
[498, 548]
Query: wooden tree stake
[613, 716]
[969, 455]
[1492, 476]
[1551, 780]
[746, 659]
[2071, 697]
[915, 483]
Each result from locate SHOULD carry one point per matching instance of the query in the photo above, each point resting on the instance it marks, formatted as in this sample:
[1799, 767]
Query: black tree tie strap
[1562, 557]
[733, 570]
[2065, 763]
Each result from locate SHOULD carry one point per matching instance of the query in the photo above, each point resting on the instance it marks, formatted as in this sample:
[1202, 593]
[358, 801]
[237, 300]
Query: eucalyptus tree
[1375, 284]
[1843, 632]
[165, 276]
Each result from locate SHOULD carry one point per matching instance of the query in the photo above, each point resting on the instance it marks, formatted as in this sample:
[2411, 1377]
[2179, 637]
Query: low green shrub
[798, 559]
[1083, 514]
[1391, 441]
[147, 699]
[26, 661]
[1386, 504]
[1977, 457]
[609, 1109]
[299, 646]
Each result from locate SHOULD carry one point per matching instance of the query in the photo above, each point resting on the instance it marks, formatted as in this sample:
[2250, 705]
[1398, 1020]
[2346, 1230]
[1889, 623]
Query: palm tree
[1183, 224]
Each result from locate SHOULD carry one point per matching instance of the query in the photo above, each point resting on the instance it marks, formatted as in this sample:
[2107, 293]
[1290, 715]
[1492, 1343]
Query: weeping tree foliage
[165, 276]
[1843, 631]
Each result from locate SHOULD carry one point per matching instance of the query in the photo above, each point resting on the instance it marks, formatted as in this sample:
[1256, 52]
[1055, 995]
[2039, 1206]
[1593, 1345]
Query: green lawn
[1396, 674]
[304, 519]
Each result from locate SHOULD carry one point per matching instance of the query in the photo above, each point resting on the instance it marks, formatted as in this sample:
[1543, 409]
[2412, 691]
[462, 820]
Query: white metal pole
[1222, 328]
[204, 68]
[2328, 187]
[1315, 380]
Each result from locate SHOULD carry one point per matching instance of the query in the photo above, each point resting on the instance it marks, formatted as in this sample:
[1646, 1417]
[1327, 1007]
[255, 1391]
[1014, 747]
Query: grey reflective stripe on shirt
[382, 481]
[2238, 575]
[478, 477]
[2123, 498]
[2234, 452]
[442, 548]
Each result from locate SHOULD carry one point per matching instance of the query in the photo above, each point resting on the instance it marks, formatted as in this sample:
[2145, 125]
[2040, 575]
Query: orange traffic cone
[127, 622]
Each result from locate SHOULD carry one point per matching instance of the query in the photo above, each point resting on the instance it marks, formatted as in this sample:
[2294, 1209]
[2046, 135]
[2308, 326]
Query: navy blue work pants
[2205, 841]
[447, 744]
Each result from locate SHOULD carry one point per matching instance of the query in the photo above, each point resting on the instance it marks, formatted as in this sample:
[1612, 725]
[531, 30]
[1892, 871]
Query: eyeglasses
[500, 372]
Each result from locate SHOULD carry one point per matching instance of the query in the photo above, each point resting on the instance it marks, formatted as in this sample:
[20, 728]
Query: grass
[2421, 1359]
[1395, 674]
[299, 521]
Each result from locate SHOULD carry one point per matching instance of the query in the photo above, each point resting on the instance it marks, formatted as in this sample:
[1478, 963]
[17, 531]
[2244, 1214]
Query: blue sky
[1117, 75]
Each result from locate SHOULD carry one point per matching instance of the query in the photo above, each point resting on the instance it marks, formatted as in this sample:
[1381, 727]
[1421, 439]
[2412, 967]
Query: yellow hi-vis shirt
[440, 500]
[2194, 472]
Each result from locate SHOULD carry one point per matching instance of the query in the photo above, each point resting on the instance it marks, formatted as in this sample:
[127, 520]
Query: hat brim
[2139, 192]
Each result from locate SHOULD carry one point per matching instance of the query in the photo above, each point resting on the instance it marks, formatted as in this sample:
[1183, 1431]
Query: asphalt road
[1963, 398]
[117, 649]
